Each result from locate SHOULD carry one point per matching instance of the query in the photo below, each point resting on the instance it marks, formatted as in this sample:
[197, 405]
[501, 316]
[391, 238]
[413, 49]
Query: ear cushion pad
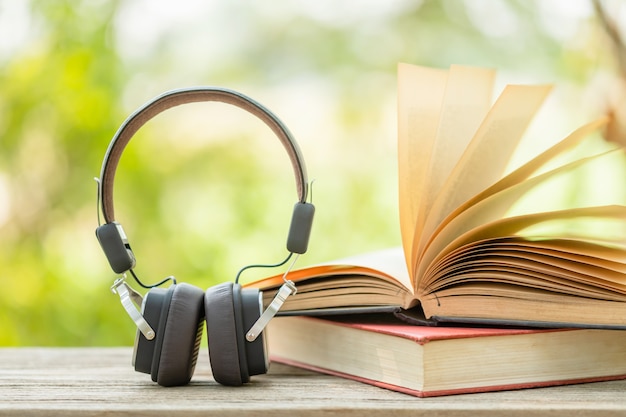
[182, 334]
[222, 332]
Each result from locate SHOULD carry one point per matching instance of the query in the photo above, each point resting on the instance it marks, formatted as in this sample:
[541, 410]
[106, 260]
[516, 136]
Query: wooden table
[101, 382]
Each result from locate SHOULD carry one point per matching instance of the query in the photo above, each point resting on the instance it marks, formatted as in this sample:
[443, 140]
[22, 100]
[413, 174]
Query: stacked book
[507, 276]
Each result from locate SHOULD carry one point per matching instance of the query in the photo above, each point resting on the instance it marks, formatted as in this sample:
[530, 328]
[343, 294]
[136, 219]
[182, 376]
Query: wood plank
[101, 382]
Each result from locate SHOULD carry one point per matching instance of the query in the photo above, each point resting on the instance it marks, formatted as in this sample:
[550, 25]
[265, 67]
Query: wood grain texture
[101, 382]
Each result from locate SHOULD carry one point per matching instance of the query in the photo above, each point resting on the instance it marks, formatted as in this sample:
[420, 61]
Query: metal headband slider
[287, 289]
[127, 297]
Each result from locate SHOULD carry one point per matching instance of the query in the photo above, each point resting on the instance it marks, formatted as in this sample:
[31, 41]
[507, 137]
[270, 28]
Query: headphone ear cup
[256, 351]
[177, 315]
[230, 311]
[225, 335]
[182, 336]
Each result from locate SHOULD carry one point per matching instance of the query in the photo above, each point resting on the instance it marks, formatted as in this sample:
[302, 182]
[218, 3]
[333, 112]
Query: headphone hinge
[128, 296]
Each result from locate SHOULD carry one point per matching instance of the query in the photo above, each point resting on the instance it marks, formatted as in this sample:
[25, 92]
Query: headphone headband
[175, 98]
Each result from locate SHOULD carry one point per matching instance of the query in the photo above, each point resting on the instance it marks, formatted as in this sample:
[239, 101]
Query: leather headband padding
[175, 98]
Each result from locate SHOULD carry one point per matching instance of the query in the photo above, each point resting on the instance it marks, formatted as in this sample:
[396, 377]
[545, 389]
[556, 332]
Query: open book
[480, 243]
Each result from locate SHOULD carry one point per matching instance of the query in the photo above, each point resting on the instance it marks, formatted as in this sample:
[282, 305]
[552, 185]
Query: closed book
[431, 361]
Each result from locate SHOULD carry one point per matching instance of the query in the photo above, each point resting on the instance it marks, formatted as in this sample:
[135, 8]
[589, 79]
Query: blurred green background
[205, 189]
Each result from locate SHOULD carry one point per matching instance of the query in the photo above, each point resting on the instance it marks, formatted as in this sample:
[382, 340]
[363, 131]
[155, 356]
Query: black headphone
[170, 320]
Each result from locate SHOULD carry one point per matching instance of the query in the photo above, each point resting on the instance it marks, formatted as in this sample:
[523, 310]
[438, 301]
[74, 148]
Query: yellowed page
[487, 156]
[606, 254]
[495, 207]
[529, 303]
[385, 265]
[467, 99]
[539, 267]
[535, 164]
[524, 173]
[611, 215]
[420, 94]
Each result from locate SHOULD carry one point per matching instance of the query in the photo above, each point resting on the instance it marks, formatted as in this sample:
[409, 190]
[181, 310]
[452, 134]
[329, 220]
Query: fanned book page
[420, 99]
[542, 245]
